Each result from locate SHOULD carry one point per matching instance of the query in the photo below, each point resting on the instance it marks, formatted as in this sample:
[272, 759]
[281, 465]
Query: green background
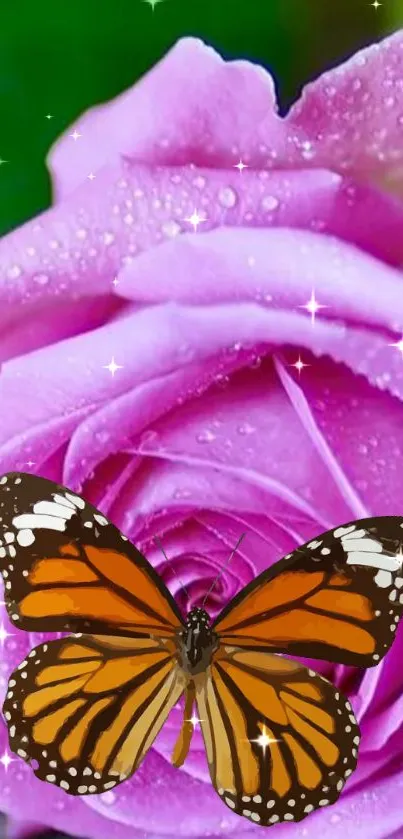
[61, 57]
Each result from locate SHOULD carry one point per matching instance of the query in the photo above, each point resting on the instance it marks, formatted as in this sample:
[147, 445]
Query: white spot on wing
[25, 538]
[51, 508]
[78, 502]
[374, 560]
[383, 579]
[31, 521]
[343, 531]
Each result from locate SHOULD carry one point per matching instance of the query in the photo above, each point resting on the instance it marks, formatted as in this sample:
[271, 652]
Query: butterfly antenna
[225, 566]
[159, 545]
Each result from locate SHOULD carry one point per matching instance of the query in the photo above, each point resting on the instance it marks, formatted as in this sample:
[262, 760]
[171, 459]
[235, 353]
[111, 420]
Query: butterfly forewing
[280, 740]
[67, 568]
[84, 711]
[339, 597]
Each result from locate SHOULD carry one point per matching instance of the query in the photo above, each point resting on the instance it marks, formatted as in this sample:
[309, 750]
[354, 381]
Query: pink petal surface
[199, 118]
[78, 247]
[352, 117]
[349, 120]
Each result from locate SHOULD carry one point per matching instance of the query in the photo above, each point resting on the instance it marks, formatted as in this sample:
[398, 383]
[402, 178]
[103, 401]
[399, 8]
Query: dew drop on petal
[206, 436]
[227, 197]
[171, 229]
[41, 279]
[270, 203]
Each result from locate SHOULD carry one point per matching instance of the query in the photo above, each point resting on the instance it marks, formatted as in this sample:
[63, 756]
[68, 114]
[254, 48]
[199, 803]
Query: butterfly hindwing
[67, 568]
[280, 740]
[339, 597]
[84, 711]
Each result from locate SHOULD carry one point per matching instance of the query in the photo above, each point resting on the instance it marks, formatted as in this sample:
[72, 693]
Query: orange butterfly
[84, 710]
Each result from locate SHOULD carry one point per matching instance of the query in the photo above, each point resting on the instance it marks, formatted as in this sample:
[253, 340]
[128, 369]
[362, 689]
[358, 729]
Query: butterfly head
[197, 641]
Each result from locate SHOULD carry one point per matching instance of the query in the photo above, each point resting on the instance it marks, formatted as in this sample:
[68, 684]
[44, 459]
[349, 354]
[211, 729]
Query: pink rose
[206, 429]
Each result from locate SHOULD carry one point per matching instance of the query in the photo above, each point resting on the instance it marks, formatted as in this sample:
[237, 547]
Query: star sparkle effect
[241, 166]
[195, 219]
[4, 635]
[75, 135]
[6, 759]
[48, 116]
[398, 345]
[299, 365]
[264, 740]
[376, 4]
[2, 161]
[312, 306]
[91, 176]
[194, 720]
[153, 3]
[112, 366]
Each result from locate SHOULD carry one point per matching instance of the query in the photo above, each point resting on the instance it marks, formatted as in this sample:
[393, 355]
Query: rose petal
[351, 118]
[79, 246]
[206, 333]
[172, 117]
[279, 267]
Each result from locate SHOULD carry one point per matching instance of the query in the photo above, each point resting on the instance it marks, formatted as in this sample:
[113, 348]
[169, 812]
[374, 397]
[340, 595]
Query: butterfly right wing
[83, 711]
[280, 740]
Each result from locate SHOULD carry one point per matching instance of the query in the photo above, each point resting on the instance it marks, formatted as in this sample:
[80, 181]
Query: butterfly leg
[185, 735]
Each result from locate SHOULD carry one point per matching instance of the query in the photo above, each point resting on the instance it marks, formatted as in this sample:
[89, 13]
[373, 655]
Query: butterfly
[83, 710]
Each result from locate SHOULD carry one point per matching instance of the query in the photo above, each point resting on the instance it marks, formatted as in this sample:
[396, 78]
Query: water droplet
[81, 233]
[128, 218]
[108, 238]
[362, 448]
[41, 279]
[122, 184]
[389, 102]
[206, 436]
[171, 229]
[246, 428]
[102, 436]
[199, 182]
[14, 272]
[227, 197]
[270, 203]
[108, 797]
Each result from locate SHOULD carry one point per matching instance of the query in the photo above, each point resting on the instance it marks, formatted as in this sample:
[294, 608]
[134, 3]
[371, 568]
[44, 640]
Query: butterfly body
[281, 741]
[197, 642]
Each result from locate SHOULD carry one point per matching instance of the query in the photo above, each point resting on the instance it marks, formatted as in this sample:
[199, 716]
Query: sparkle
[49, 116]
[264, 740]
[30, 463]
[241, 165]
[376, 4]
[115, 281]
[195, 219]
[312, 306]
[75, 135]
[152, 3]
[6, 760]
[112, 366]
[4, 634]
[2, 161]
[194, 720]
[399, 556]
[91, 176]
[398, 345]
[299, 365]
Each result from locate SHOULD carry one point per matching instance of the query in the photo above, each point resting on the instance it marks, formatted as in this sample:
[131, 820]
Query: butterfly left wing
[84, 711]
[339, 597]
[280, 740]
[67, 568]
